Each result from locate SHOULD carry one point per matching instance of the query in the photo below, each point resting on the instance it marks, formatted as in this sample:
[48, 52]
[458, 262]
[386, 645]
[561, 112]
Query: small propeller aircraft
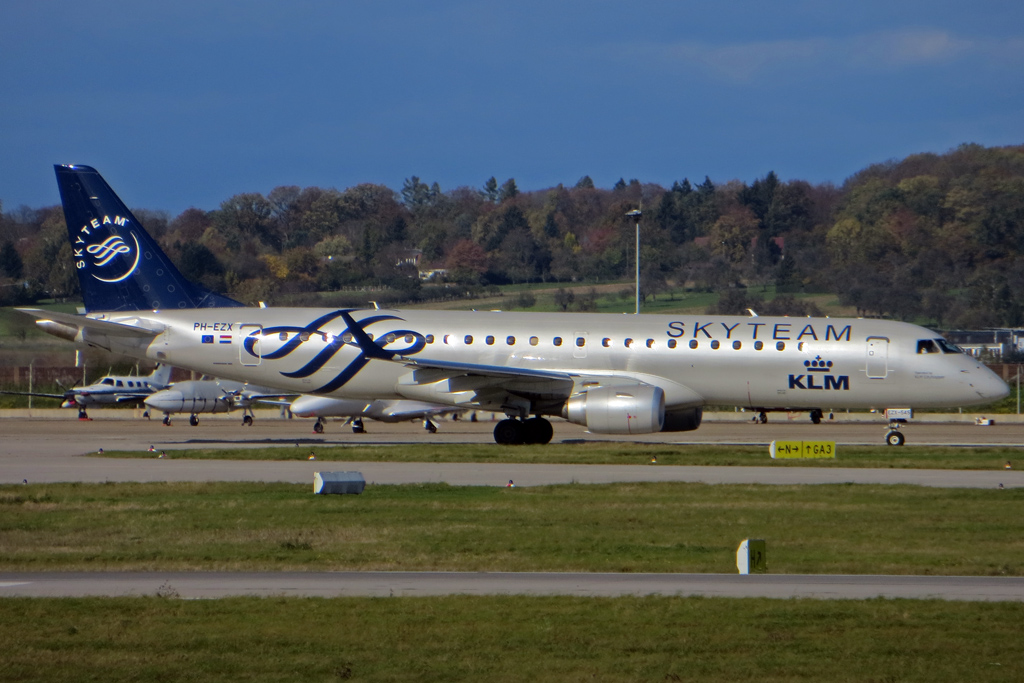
[213, 396]
[110, 390]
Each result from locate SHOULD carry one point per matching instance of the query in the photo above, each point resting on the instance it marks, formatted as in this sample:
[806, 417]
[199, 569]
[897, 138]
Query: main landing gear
[535, 430]
[430, 426]
[357, 426]
[193, 420]
[319, 426]
[894, 437]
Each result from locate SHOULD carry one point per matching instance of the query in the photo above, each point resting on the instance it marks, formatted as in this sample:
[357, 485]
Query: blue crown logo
[818, 365]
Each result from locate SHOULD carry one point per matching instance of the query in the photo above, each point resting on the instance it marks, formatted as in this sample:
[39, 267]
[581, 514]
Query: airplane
[612, 373]
[321, 407]
[109, 390]
[211, 396]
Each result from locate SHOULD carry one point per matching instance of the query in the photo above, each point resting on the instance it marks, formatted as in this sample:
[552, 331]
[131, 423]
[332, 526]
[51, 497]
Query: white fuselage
[755, 362]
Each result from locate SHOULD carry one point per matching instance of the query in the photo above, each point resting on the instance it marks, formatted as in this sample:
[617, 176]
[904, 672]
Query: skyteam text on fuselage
[618, 374]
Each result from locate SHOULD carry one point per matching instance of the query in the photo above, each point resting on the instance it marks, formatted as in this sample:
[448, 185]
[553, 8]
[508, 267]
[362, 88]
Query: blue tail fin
[120, 267]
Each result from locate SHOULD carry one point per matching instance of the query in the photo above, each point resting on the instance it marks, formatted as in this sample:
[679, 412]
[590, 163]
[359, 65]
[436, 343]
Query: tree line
[932, 237]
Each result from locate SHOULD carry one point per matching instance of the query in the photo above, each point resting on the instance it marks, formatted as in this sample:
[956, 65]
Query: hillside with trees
[934, 238]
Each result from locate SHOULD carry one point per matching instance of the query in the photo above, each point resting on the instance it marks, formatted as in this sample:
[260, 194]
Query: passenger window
[926, 346]
[389, 339]
[446, 338]
[533, 340]
[283, 336]
[557, 341]
[715, 344]
[131, 383]
[408, 339]
[510, 340]
[304, 336]
[781, 346]
[120, 383]
[490, 340]
[737, 345]
[606, 342]
[429, 339]
[758, 345]
[580, 341]
[650, 343]
[693, 343]
[469, 339]
[628, 343]
[671, 343]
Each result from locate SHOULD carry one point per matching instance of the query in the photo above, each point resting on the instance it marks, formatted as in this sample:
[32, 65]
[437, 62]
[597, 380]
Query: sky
[188, 103]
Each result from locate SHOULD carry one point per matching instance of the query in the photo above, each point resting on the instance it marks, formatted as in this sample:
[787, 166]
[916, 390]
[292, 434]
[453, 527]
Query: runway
[40, 450]
[208, 585]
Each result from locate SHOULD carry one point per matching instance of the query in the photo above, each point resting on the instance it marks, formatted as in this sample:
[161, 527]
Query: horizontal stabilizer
[111, 329]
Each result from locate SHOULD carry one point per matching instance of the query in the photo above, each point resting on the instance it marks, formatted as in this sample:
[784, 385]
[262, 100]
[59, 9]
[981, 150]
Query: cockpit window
[948, 347]
[107, 381]
[926, 346]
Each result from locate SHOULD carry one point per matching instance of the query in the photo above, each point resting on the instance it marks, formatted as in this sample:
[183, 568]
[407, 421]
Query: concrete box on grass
[338, 482]
[751, 556]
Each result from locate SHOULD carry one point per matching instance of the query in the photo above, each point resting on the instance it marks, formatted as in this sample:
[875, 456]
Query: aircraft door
[579, 344]
[255, 332]
[878, 357]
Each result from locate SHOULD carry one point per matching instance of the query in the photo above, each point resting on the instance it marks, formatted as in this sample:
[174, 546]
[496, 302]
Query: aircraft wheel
[357, 427]
[816, 417]
[167, 420]
[145, 414]
[537, 430]
[318, 427]
[82, 415]
[509, 432]
[247, 420]
[193, 420]
[762, 418]
[430, 426]
[894, 438]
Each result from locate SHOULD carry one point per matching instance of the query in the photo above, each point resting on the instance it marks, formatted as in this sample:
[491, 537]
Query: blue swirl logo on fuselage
[297, 336]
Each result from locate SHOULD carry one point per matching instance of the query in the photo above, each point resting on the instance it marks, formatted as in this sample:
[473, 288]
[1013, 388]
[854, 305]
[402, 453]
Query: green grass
[646, 527]
[604, 453]
[531, 639]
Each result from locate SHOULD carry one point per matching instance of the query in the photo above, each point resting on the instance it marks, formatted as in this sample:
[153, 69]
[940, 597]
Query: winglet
[370, 348]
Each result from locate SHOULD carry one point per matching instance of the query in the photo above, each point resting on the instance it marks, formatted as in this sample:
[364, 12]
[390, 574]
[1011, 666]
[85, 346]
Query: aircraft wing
[465, 384]
[33, 393]
[81, 322]
[128, 398]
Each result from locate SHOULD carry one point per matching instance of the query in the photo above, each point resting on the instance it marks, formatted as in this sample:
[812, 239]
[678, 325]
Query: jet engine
[637, 409]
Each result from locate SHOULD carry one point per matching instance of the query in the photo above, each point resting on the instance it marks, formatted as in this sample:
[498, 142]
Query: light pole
[635, 214]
